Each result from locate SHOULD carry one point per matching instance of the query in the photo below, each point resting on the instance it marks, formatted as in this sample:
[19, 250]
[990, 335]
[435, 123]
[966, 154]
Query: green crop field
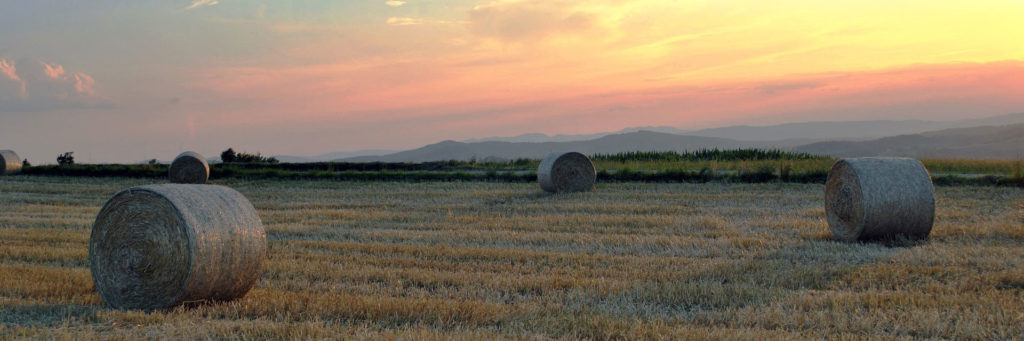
[483, 260]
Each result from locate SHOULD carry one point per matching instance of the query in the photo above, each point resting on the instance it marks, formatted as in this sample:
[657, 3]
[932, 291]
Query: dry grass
[498, 260]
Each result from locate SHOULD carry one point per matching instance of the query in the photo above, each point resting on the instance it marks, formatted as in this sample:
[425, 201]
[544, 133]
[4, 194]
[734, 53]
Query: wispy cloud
[394, 3]
[200, 3]
[296, 27]
[529, 19]
[404, 21]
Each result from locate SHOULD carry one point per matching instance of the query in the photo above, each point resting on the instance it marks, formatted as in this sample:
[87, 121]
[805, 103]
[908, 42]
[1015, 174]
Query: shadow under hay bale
[189, 168]
[879, 199]
[10, 162]
[159, 246]
[566, 172]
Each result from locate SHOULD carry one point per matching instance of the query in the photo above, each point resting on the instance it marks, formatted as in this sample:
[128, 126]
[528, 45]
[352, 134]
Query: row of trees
[65, 159]
[229, 155]
[709, 155]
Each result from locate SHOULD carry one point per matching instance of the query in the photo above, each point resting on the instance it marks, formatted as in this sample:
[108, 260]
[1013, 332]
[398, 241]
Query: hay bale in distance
[189, 168]
[876, 198]
[10, 162]
[566, 172]
[159, 246]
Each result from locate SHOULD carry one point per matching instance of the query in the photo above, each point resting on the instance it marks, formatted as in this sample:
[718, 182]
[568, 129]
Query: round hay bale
[10, 162]
[566, 172]
[878, 198]
[159, 246]
[189, 168]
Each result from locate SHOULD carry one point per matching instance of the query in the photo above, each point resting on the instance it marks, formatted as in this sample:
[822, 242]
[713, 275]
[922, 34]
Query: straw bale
[159, 246]
[10, 162]
[189, 168]
[566, 172]
[876, 198]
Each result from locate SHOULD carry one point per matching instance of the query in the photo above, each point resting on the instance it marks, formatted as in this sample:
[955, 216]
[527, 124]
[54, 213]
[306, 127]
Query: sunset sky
[125, 81]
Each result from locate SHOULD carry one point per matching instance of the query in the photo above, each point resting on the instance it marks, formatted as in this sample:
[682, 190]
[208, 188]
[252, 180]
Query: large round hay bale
[878, 198]
[566, 172]
[189, 168]
[159, 246]
[10, 162]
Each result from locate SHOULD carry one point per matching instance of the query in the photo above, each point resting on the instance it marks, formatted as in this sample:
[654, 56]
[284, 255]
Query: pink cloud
[35, 85]
[8, 70]
[915, 92]
[461, 101]
[55, 71]
[84, 83]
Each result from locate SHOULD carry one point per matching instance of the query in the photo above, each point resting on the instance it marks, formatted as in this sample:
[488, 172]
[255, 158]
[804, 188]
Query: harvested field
[448, 260]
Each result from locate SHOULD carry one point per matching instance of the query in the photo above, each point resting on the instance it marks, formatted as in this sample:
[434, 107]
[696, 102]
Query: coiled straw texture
[876, 198]
[159, 246]
[566, 172]
[189, 168]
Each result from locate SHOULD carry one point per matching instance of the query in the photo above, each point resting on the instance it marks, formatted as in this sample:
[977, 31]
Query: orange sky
[309, 77]
[507, 52]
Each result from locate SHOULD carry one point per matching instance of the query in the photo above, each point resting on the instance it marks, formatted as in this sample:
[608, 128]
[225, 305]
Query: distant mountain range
[496, 150]
[991, 137]
[538, 137]
[987, 142]
[792, 133]
[332, 156]
[1003, 142]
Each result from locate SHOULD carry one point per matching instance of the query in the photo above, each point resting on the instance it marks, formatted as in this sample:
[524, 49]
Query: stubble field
[476, 260]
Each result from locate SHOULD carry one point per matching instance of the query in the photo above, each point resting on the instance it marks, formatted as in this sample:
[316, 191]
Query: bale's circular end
[10, 162]
[189, 168]
[139, 252]
[566, 172]
[843, 203]
[876, 198]
[158, 246]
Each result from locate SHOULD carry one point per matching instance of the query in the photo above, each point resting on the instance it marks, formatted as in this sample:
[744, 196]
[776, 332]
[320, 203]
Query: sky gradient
[125, 81]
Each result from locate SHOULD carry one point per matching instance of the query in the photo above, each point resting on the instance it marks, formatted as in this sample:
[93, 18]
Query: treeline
[759, 175]
[741, 154]
[706, 165]
[224, 171]
[432, 166]
[100, 170]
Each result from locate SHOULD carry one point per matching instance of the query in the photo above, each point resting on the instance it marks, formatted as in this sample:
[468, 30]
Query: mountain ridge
[828, 137]
[1001, 142]
[973, 142]
[500, 150]
[802, 131]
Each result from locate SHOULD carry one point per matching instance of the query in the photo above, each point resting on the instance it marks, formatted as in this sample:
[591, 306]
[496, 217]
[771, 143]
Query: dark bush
[66, 159]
